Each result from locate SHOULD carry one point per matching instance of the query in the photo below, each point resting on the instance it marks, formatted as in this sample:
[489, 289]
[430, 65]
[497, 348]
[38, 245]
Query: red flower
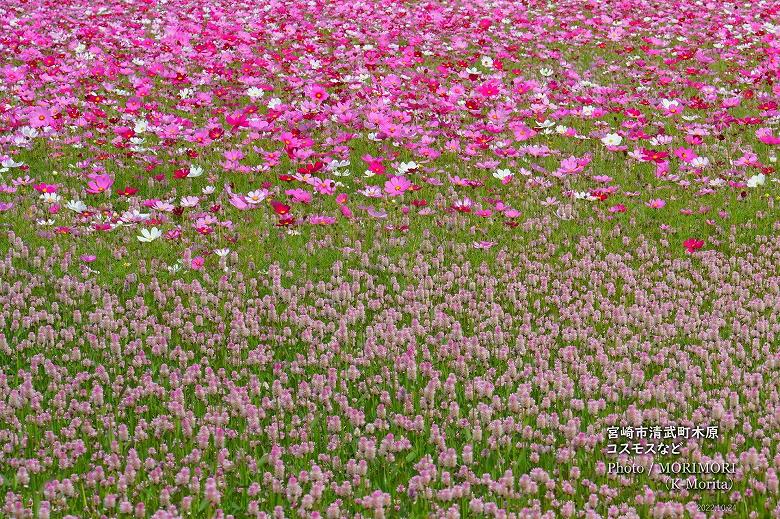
[311, 168]
[654, 155]
[127, 191]
[286, 220]
[181, 173]
[280, 208]
[692, 245]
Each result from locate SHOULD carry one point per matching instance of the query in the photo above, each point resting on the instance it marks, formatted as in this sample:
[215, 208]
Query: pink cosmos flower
[396, 186]
[765, 135]
[239, 202]
[299, 195]
[197, 263]
[45, 188]
[40, 117]
[317, 92]
[685, 154]
[656, 203]
[321, 220]
[99, 184]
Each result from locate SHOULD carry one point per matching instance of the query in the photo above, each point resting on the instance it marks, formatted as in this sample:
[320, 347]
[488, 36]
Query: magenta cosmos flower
[397, 185]
[99, 184]
[40, 117]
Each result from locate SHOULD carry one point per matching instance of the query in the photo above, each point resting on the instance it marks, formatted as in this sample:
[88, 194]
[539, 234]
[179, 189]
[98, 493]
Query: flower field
[389, 259]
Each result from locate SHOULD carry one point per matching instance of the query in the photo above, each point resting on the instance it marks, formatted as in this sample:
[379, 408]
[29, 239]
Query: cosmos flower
[396, 186]
[99, 184]
[149, 235]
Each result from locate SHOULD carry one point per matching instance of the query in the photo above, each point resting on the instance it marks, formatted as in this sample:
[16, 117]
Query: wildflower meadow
[389, 259]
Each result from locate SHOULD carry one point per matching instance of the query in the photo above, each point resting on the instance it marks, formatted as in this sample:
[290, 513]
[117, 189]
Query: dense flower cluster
[400, 386]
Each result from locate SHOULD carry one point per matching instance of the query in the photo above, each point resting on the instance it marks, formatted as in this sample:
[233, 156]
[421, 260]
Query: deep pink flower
[692, 245]
[197, 263]
[99, 184]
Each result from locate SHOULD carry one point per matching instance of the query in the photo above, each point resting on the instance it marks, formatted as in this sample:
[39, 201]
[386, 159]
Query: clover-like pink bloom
[99, 184]
[396, 186]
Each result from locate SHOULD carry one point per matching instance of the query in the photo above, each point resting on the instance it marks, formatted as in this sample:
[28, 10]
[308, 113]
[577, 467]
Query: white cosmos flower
[189, 201]
[487, 62]
[29, 132]
[45, 222]
[195, 171]
[50, 198]
[11, 163]
[134, 216]
[222, 252]
[501, 174]
[405, 167]
[336, 164]
[756, 180]
[256, 196]
[546, 72]
[76, 206]
[700, 162]
[149, 235]
[140, 126]
[255, 93]
[207, 190]
[273, 103]
[612, 139]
